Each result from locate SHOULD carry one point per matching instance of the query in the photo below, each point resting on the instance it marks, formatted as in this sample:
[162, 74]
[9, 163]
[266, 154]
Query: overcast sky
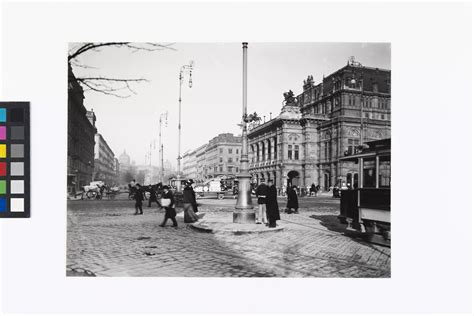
[214, 103]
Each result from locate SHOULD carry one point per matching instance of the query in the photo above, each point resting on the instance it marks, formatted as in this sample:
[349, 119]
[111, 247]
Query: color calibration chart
[14, 159]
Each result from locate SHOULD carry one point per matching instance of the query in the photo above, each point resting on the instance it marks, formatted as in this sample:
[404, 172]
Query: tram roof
[379, 147]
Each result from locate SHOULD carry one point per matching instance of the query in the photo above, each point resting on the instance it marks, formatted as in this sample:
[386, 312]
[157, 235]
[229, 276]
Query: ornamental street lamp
[163, 118]
[184, 69]
[243, 212]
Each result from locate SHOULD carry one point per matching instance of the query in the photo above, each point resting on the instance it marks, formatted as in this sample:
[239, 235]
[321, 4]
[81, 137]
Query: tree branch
[106, 85]
[134, 46]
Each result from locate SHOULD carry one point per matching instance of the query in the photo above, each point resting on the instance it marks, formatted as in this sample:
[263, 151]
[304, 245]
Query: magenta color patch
[3, 133]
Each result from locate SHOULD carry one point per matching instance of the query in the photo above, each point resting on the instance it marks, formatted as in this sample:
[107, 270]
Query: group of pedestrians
[189, 204]
[168, 202]
[267, 211]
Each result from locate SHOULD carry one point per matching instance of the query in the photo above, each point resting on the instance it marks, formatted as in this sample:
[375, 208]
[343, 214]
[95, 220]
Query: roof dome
[124, 159]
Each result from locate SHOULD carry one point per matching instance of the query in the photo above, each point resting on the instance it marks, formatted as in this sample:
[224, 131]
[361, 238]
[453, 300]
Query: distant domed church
[124, 159]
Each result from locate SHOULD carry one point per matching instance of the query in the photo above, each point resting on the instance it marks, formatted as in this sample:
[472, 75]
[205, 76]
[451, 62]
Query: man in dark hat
[138, 200]
[170, 212]
[273, 213]
[261, 192]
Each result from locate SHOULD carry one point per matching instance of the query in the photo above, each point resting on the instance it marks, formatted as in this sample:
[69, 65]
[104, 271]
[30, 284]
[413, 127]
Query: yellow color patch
[3, 151]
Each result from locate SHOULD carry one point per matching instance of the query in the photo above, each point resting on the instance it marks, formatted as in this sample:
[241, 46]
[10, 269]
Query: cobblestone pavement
[104, 238]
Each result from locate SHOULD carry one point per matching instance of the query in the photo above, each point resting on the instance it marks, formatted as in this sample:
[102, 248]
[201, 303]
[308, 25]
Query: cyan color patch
[3, 115]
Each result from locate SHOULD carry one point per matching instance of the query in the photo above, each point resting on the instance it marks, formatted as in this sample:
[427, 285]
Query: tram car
[366, 207]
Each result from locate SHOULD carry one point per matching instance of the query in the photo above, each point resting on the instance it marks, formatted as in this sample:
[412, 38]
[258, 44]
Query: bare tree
[119, 87]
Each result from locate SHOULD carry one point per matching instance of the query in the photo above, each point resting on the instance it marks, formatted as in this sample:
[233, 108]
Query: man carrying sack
[167, 201]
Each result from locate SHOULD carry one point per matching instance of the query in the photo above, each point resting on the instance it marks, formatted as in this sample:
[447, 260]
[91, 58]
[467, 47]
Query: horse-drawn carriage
[97, 190]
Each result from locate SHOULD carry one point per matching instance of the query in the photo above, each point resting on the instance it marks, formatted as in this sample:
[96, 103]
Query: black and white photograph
[229, 159]
[235, 157]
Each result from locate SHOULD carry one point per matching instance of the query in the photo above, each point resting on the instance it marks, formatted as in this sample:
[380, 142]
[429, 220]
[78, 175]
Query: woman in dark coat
[170, 212]
[189, 200]
[195, 205]
[292, 200]
[273, 213]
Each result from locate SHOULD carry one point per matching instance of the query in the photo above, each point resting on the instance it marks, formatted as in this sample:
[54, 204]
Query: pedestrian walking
[138, 200]
[292, 200]
[189, 199]
[261, 192]
[167, 201]
[313, 189]
[132, 189]
[271, 202]
[153, 196]
[195, 205]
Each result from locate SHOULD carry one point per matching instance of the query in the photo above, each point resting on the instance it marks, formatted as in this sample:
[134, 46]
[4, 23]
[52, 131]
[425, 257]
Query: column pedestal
[244, 213]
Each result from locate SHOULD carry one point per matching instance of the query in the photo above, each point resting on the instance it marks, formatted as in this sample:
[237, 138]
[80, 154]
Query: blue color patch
[3, 205]
[3, 115]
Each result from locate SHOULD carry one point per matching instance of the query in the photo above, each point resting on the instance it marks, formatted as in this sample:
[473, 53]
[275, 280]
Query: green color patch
[3, 186]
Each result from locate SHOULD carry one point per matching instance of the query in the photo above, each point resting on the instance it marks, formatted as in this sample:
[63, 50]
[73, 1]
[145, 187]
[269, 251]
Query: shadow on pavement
[331, 222]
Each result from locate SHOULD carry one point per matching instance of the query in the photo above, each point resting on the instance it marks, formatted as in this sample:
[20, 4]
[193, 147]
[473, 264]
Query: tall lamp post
[184, 69]
[163, 118]
[243, 212]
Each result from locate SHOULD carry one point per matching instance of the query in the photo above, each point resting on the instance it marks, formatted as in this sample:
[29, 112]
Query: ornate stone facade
[80, 143]
[190, 163]
[104, 161]
[284, 148]
[218, 158]
[304, 143]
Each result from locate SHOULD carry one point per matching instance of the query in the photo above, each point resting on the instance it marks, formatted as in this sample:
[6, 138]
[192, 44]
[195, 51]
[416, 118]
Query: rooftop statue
[289, 97]
[309, 81]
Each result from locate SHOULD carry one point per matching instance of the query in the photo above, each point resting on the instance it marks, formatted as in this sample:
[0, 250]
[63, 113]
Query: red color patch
[3, 169]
